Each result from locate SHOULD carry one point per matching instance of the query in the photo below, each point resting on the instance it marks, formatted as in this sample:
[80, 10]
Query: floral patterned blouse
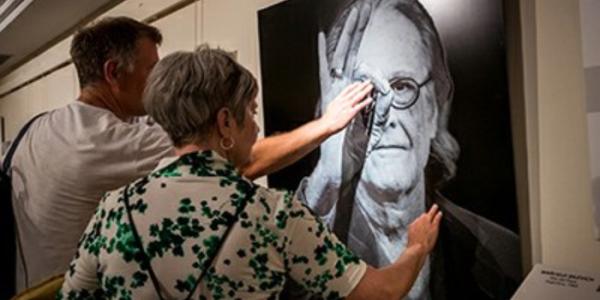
[181, 212]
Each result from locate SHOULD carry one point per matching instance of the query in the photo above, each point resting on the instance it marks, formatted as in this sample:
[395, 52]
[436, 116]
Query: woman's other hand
[423, 231]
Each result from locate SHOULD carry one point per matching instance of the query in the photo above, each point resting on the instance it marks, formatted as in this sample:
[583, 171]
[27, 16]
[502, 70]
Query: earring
[226, 143]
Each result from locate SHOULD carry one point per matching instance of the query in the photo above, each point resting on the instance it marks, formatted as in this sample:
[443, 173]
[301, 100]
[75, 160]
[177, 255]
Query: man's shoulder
[492, 250]
[85, 122]
[89, 132]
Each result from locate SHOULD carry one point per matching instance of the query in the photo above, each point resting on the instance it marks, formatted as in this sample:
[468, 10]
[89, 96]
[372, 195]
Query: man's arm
[276, 152]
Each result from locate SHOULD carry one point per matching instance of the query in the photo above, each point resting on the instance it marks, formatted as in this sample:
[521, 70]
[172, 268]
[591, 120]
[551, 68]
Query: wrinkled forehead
[392, 45]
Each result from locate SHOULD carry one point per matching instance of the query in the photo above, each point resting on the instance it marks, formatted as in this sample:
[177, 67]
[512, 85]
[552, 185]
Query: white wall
[590, 27]
[560, 210]
[565, 208]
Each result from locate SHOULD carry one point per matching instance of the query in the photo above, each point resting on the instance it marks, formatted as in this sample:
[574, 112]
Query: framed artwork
[438, 131]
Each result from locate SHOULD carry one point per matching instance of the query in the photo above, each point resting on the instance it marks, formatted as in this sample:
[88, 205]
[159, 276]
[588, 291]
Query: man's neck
[100, 96]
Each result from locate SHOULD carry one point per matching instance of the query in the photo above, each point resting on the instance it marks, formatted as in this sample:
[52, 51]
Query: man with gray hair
[375, 177]
[72, 155]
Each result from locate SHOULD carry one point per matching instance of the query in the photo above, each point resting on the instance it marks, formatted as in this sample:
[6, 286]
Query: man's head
[401, 53]
[117, 53]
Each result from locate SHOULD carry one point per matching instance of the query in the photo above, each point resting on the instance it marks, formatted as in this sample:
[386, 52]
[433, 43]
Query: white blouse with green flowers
[181, 212]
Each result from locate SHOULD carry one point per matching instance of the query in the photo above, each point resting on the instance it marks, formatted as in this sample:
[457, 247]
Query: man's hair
[111, 38]
[185, 91]
[444, 148]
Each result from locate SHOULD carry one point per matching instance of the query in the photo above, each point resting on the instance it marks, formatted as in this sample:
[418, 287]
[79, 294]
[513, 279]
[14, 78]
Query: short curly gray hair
[185, 90]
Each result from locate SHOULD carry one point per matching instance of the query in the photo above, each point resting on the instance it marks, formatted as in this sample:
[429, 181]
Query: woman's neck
[190, 148]
[183, 150]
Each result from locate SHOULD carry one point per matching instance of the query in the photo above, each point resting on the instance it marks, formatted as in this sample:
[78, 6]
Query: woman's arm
[275, 152]
[393, 281]
[321, 264]
[396, 280]
[81, 278]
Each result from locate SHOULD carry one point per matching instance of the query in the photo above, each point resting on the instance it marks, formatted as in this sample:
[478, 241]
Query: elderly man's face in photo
[393, 56]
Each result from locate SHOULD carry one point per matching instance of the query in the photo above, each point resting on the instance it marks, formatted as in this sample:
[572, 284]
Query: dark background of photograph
[472, 32]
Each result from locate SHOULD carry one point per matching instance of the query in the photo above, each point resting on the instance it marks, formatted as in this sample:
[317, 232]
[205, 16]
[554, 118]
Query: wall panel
[178, 30]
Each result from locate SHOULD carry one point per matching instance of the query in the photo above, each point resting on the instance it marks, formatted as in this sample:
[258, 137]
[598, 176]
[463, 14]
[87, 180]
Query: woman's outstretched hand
[346, 105]
[423, 232]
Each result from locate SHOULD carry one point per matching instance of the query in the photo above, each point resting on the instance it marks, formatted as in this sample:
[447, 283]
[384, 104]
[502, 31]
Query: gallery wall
[590, 39]
[556, 187]
[566, 236]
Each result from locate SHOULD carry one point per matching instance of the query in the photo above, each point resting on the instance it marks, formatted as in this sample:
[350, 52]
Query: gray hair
[185, 90]
[111, 38]
[444, 148]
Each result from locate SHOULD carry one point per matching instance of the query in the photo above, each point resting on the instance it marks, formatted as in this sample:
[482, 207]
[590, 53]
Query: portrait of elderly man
[372, 179]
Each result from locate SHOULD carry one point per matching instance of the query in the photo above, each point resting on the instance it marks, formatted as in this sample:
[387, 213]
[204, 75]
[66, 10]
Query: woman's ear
[224, 122]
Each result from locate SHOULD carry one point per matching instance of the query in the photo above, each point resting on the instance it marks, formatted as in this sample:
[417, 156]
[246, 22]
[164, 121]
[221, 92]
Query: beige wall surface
[590, 27]
[589, 30]
[566, 223]
[560, 210]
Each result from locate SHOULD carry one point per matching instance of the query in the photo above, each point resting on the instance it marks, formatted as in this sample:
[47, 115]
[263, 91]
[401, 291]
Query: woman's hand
[423, 232]
[345, 106]
[395, 281]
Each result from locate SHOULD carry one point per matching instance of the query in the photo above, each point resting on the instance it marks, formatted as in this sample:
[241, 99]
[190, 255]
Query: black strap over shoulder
[207, 263]
[9, 233]
[13, 146]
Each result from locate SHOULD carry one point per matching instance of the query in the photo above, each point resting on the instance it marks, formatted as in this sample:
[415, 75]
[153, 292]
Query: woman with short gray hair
[196, 228]
[185, 91]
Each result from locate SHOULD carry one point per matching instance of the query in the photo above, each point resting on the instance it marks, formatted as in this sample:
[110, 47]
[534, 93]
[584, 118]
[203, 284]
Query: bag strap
[12, 231]
[13, 146]
[207, 263]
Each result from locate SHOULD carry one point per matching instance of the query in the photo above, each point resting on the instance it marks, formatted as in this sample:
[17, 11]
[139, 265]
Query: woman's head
[204, 96]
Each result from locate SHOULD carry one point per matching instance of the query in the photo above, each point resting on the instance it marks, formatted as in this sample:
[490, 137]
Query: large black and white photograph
[437, 132]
